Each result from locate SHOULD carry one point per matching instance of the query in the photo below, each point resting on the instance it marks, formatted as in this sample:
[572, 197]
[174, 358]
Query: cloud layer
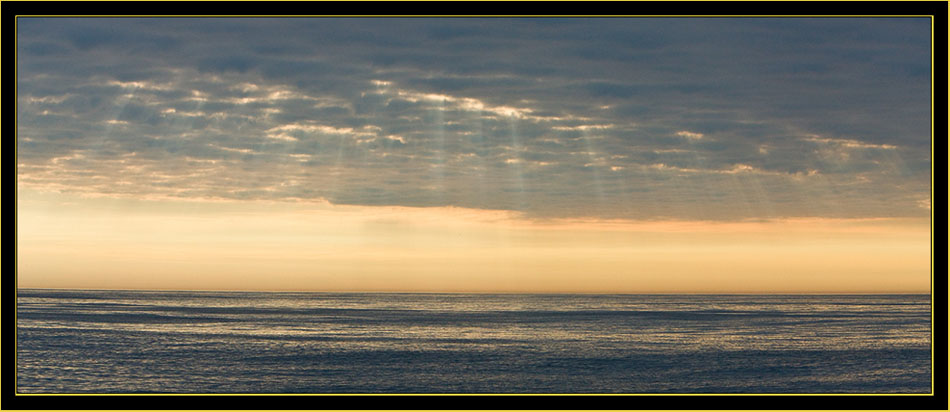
[612, 118]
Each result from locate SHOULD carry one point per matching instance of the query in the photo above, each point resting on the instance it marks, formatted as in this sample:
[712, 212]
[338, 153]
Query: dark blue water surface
[235, 342]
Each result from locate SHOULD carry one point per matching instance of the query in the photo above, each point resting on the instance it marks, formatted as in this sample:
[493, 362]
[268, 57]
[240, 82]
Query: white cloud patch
[848, 143]
[689, 135]
[584, 127]
[449, 102]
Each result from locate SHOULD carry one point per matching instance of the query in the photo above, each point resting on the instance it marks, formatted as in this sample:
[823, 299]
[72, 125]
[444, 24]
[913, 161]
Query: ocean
[95, 341]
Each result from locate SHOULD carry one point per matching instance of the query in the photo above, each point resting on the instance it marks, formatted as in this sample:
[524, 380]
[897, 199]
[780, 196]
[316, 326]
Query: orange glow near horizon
[101, 243]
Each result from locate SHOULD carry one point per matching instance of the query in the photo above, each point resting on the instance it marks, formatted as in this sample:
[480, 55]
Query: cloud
[618, 118]
[849, 143]
[689, 135]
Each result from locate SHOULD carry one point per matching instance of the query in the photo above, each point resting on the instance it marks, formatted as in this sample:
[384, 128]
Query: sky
[610, 155]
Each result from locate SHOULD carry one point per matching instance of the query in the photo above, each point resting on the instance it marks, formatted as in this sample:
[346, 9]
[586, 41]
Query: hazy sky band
[692, 118]
[69, 241]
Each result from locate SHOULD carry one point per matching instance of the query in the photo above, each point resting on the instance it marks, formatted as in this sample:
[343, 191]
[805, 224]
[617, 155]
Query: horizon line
[474, 292]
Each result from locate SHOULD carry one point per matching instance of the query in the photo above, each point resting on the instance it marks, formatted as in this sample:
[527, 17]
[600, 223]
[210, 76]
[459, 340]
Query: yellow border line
[16, 273]
[476, 16]
[932, 388]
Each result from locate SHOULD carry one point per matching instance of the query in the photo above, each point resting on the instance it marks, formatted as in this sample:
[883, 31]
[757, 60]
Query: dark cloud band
[629, 118]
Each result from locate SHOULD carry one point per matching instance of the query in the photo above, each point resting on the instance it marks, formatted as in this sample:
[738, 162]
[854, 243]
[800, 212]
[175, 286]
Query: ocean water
[234, 342]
